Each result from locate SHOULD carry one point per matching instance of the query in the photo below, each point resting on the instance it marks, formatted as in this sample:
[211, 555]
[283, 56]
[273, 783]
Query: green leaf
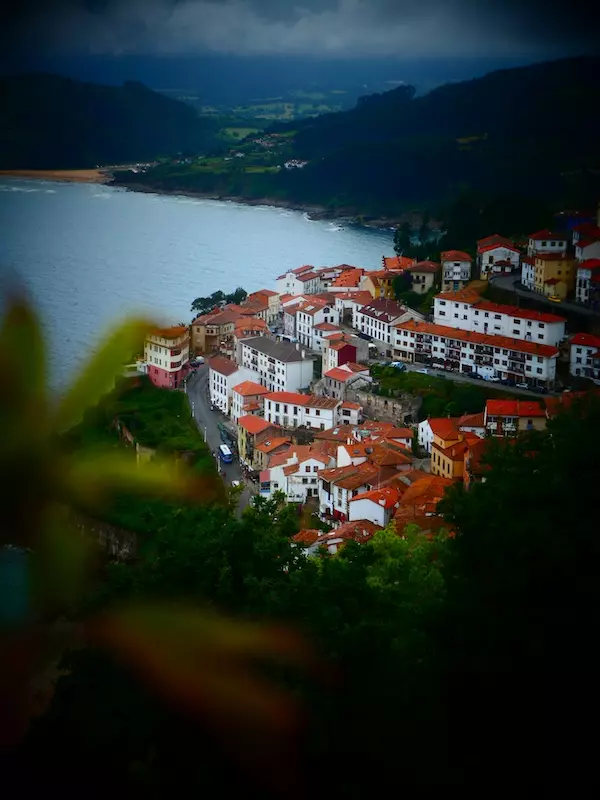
[92, 478]
[99, 375]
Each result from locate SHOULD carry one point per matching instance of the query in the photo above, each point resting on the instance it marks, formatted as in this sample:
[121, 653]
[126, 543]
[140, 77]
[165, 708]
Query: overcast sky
[322, 28]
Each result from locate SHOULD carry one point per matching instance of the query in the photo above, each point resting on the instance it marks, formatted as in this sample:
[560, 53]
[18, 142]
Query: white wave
[103, 195]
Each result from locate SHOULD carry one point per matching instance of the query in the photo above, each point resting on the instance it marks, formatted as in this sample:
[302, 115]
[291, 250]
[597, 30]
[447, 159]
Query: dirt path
[75, 175]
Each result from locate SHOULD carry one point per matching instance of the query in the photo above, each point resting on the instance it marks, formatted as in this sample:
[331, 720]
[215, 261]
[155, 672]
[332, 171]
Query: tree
[402, 238]
[402, 284]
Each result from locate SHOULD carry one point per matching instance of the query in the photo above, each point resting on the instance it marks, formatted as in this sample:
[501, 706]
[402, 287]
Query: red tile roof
[590, 263]
[351, 476]
[495, 239]
[444, 427]
[546, 233]
[514, 408]
[322, 402]
[585, 339]
[294, 398]
[299, 270]
[174, 332]
[587, 229]
[327, 326]
[254, 424]
[353, 406]
[358, 531]
[519, 312]
[471, 421]
[587, 242]
[455, 255]
[222, 365]
[425, 266]
[505, 342]
[350, 277]
[306, 276]
[265, 292]
[272, 444]
[461, 296]
[249, 388]
[507, 246]
[338, 374]
[552, 257]
[386, 497]
[397, 262]
[306, 537]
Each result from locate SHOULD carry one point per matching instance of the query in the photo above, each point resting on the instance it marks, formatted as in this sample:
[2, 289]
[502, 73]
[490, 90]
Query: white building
[223, 375]
[322, 332]
[525, 362]
[586, 249]
[349, 413]
[311, 314]
[347, 303]
[280, 366]
[339, 485]
[302, 280]
[546, 241]
[291, 410]
[295, 473]
[378, 506]
[337, 381]
[378, 318]
[321, 413]
[456, 270]
[247, 398]
[528, 272]
[587, 271]
[470, 312]
[493, 253]
[584, 358]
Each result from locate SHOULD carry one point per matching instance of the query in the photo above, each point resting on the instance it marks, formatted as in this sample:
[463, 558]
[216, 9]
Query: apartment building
[423, 274]
[468, 311]
[295, 473]
[338, 485]
[584, 356]
[528, 272]
[377, 320]
[494, 254]
[524, 362]
[308, 316]
[279, 366]
[303, 280]
[167, 355]
[262, 298]
[247, 399]
[223, 375]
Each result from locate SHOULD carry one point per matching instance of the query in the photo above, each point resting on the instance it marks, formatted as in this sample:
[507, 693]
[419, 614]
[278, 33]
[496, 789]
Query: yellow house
[423, 275]
[251, 431]
[449, 462]
[554, 274]
[370, 283]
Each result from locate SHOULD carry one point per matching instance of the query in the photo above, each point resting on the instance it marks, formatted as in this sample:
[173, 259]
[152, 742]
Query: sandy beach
[75, 175]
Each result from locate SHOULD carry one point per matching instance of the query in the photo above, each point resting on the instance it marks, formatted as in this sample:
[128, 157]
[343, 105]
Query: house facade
[247, 398]
[587, 282]
[424, 274]
[546, 241]
[376, 320]
[491, 254]
[377, 506]
[337, 486]
[528, 272]
[511, 417]
[338, 381]
[166, 356]
[308, 316]
[223, 375]
[456, 270]
[554, 274]
[584, 356]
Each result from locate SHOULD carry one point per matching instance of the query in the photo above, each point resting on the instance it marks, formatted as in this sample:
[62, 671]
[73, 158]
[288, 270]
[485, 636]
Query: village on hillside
[296, 376]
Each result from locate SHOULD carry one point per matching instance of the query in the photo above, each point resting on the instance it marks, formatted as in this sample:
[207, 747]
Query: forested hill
[536, 127]
[51, 122]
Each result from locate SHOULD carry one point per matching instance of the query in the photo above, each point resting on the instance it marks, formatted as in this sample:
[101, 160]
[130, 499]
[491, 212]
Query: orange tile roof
[338, 374]
[519, 345]
[444, 427]
[397, 262]
[172, 332]
[354, 367]
[322, 402]
[249, 388]
[507, 245]
[399, 433]
[353, 406]
[552, 257]
[351, 477]
[310, 307]
[350, 277]
[426, 490]
[299, 270]
[514, 408]
[455, 452]
[386, 497]
[358, 531]
[425, 266]
[471, 420]
[249, 324]
[517, 311]
[384, 455]
[327, 326]
[467, 296]
[293, 398]
[222, 365]
[306, 537]
[279, 459]
[428, 523]
[455, 255]
[272, 444]
[254, 424]
[265, 292]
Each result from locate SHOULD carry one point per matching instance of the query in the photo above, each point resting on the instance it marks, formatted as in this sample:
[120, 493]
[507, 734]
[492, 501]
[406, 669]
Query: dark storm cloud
[326, 28]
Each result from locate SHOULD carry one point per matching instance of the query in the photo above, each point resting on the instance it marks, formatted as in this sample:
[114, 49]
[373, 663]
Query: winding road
[208, 424]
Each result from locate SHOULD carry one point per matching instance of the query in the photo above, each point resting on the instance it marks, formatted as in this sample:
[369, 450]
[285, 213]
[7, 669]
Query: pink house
[167, 354]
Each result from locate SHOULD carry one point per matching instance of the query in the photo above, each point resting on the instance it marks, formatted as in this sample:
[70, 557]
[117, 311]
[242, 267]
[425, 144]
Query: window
[304, 480]
[317, 413]
[529, 358]
[276, 406]
[540, 335]
[456, 316]
[497, 316]
[315, 469]
[578, 350]
[539, 370]
[578, 360]
[306, 469]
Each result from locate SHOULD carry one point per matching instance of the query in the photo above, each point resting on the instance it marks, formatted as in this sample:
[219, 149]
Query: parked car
[423, 371]
[398, 365]
[493, 379]
[522, 386]
[554, 298]
[477, 376]
[539, 389]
